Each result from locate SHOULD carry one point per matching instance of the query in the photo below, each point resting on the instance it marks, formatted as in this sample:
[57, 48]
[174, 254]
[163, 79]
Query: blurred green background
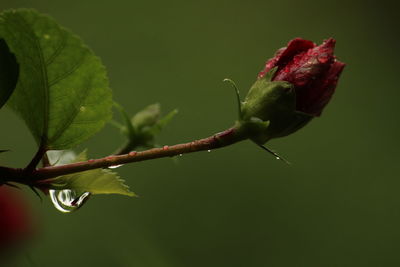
[336, 205]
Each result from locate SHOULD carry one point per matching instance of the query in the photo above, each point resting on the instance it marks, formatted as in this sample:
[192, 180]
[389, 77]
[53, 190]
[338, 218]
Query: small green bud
[146, 117]
[143, 127]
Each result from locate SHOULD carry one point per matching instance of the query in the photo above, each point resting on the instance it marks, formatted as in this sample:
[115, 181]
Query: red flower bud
[293, 88]
[313, 70]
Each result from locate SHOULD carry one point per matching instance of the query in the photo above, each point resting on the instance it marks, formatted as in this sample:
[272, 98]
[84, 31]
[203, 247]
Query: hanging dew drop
[209, 150]
[67, 200]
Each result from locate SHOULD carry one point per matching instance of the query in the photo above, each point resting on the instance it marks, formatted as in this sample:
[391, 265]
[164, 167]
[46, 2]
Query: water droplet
[180, 155]
[278, 158]
[209, 151]
[67, 200]
[165, 148]
[115, 166]
[82, 109]
[132, 153]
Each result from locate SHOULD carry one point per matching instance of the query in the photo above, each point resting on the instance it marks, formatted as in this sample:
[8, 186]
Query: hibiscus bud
[294, 87]
[313, 70]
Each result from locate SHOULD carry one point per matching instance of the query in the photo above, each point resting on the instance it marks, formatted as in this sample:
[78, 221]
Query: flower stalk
[42, 175]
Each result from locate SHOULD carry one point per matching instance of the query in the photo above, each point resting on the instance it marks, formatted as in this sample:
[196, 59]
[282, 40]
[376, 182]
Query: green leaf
[9, 71]
[128, 128]
[98, 181]
[63, 93]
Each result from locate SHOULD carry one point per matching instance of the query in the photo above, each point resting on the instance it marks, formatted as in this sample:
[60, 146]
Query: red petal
[327, 87]
[286, 54]
[307, 66]
[310, 72]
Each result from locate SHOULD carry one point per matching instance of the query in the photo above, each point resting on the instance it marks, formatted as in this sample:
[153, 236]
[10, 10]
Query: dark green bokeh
[337, 205]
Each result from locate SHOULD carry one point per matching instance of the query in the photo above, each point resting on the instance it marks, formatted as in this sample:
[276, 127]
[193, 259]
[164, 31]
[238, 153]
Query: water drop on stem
[115, 166]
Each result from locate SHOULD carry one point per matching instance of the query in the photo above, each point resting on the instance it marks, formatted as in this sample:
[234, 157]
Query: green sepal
[126, 128]
[147, 117]
[273, 102]
[266, 98]
[270, 74]
[253, 128]
[162, 122]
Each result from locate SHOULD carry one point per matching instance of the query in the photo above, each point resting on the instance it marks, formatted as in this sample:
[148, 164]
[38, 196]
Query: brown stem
[12, 175]
[36, 159]
[218, 140]
[126, 148]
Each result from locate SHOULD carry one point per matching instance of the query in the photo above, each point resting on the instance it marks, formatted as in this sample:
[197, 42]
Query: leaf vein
[44, 80]
[58, 50]
[67, 73]
[73, 115]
